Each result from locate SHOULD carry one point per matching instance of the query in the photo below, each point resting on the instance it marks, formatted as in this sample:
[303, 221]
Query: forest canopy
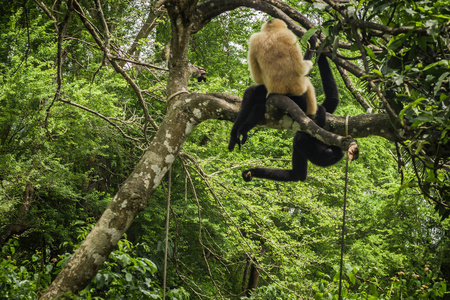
[115, 177]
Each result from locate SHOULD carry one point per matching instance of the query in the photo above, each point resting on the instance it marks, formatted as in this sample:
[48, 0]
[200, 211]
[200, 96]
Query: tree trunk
[252, 279]
[131, 198]
[445, 265]
[133, 195]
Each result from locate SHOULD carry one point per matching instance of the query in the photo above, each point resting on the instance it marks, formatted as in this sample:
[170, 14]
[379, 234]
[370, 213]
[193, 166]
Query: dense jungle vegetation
[84, 89]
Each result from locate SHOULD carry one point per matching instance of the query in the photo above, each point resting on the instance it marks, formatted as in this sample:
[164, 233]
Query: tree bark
[252, 279]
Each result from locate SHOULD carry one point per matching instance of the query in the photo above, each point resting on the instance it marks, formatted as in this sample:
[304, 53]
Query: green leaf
[370, 52]
[307, 35]
[335, 45]
[441, 63]
[352, 278]
[438, 85]
[318, 296]
[378, 72]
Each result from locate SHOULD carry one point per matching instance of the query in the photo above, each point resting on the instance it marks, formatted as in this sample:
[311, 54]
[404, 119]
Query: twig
[99, 115]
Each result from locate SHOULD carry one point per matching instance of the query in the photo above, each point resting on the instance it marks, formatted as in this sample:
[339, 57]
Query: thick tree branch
[306, 124]
[226, 107]
[212, 8]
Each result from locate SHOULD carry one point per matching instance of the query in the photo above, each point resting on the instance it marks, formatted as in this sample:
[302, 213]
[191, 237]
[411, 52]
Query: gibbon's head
[274, 24]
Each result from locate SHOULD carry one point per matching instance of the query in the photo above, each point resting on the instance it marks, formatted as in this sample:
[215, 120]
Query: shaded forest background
[73, 128]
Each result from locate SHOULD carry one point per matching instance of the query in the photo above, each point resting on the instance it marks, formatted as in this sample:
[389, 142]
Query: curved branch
[135, 62]
[101, 116]
[226, 107]
[305, 124]
[212, 8]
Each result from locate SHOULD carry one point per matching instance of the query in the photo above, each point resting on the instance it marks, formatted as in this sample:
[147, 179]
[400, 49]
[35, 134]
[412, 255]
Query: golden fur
[276, 61]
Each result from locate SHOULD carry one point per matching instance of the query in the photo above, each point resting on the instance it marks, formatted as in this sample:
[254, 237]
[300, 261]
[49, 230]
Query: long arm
[312, 44]
[329, 85]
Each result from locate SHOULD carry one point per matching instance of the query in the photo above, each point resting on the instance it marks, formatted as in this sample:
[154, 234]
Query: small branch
[101, 116]
[388, 108]
[135, 62]
[116, 66]
[351, 87]
[48, 13]
[148, 26]
[361, 48]
[200, 229]
[374, 26]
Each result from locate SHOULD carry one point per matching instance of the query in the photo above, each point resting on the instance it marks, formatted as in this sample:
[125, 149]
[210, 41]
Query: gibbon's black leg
[317, 152]
[252, 112]
[297, 173]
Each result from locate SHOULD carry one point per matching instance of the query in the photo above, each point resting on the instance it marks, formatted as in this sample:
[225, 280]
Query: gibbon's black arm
[329, 85]
[306, 147]
[316, 151]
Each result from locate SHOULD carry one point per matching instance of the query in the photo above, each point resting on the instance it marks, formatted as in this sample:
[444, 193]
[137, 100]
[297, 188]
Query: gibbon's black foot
[233, 141]
[247, 175]
[251, 113]
[243, 139]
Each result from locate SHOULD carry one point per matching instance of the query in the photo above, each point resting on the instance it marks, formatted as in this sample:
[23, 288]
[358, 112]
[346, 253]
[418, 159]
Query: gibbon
[305, 147]
[275, 60]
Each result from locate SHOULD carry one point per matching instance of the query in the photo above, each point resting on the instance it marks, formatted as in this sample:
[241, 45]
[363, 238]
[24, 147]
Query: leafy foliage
[124, 275]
